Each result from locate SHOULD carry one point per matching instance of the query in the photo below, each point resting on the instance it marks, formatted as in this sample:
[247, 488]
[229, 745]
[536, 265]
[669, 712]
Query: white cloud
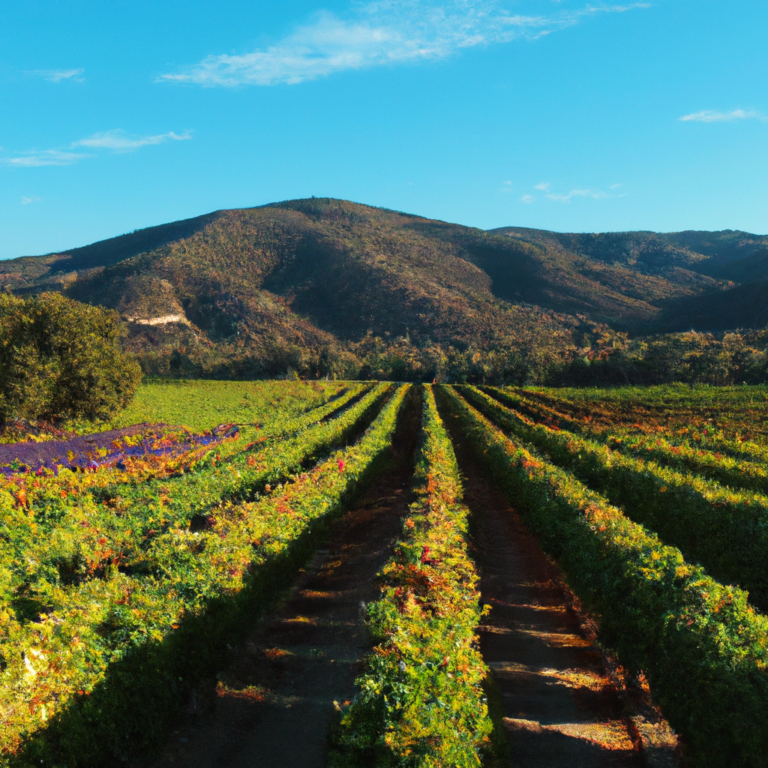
[118, 141]
[714, 116]
[566, 197]
[39, 158]
[595, 194]
[506, 187]
[57, 75]
[33, 199]
[545, 187]
[381, 33]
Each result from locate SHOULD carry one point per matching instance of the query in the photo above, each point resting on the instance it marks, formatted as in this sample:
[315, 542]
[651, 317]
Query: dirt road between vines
[273, 704]
[560, 708]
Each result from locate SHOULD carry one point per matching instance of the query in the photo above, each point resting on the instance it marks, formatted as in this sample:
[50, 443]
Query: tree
[61, 359]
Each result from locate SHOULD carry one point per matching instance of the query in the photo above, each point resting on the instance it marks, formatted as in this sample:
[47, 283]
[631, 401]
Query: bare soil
[559, 705]
[274, 702]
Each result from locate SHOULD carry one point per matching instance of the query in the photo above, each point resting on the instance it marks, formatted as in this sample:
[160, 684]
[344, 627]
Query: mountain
[327, 285]
[688, 279]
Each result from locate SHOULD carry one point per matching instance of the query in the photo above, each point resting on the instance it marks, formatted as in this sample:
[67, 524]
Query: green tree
[61, 359]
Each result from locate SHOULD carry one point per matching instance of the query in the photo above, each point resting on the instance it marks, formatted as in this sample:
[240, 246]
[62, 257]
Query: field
[630, 525]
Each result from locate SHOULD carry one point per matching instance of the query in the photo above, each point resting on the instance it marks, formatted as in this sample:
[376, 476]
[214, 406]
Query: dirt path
[560, 708]
[274, 703]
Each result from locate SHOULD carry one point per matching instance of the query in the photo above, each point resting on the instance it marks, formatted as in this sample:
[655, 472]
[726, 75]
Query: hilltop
[332, 287]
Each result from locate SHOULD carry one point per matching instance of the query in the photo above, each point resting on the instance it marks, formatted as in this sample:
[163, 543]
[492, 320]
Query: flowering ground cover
[168, 451]
[69, 532]
[69, 536]
[116, 448]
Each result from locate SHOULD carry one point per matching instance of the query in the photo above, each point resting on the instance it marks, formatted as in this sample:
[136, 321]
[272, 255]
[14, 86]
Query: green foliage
[725, 530]
[747, 468]
[61, 507]
[726, 419]
[205, 404]
[702, 646]
[420, 702]
[118, 590]
[61, 359]
[175, 599]
[81, 529]
[311, 285]
[736, 357]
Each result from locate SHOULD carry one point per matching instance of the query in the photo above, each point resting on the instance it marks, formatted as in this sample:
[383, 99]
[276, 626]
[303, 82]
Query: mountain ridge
[301, 283]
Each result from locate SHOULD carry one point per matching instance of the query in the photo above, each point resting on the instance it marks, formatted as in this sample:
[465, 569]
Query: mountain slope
[306, 282]
[653, 251]
[315, 275]
[745, 306]
[687, 279]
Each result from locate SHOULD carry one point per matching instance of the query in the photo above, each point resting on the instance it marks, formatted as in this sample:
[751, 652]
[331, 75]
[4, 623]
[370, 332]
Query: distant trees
[61, 359]
[689, 358]
[600, 360]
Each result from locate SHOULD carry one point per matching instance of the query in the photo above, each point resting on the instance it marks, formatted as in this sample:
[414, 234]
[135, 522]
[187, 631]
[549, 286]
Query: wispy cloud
[120, 142]
[117, 141]
[37, 158]
[57, 75]
[714, 116]
[566, 197]
[33, 199]
[381, 33]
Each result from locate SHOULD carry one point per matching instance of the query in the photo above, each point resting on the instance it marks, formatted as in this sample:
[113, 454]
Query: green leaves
[169, 573]
[420, 702]
[702, 646]
[726, 530]
[61, 359]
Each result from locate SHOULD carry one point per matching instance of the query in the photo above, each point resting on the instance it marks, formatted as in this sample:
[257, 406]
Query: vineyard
[407, 575]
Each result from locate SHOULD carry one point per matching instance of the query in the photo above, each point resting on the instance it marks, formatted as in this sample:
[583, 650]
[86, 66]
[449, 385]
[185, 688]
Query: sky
[555, 114]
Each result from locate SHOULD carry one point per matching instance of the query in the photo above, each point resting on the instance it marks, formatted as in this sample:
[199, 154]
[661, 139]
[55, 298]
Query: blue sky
[563, 115]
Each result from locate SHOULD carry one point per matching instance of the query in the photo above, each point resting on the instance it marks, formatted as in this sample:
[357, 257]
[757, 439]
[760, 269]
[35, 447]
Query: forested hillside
[691, 279]
[328, 287]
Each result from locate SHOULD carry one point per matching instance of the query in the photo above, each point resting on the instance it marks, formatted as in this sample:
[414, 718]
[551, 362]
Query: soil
[559, 705]
[274, 703]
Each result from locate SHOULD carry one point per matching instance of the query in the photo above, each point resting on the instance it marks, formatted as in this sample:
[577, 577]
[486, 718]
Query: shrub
[61, 359]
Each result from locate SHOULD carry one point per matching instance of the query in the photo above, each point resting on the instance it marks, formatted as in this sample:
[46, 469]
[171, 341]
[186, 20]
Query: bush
[61, 359]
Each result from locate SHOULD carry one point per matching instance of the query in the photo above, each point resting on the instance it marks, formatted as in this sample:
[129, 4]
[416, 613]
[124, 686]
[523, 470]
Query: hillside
[325, 286]
[715, 267]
